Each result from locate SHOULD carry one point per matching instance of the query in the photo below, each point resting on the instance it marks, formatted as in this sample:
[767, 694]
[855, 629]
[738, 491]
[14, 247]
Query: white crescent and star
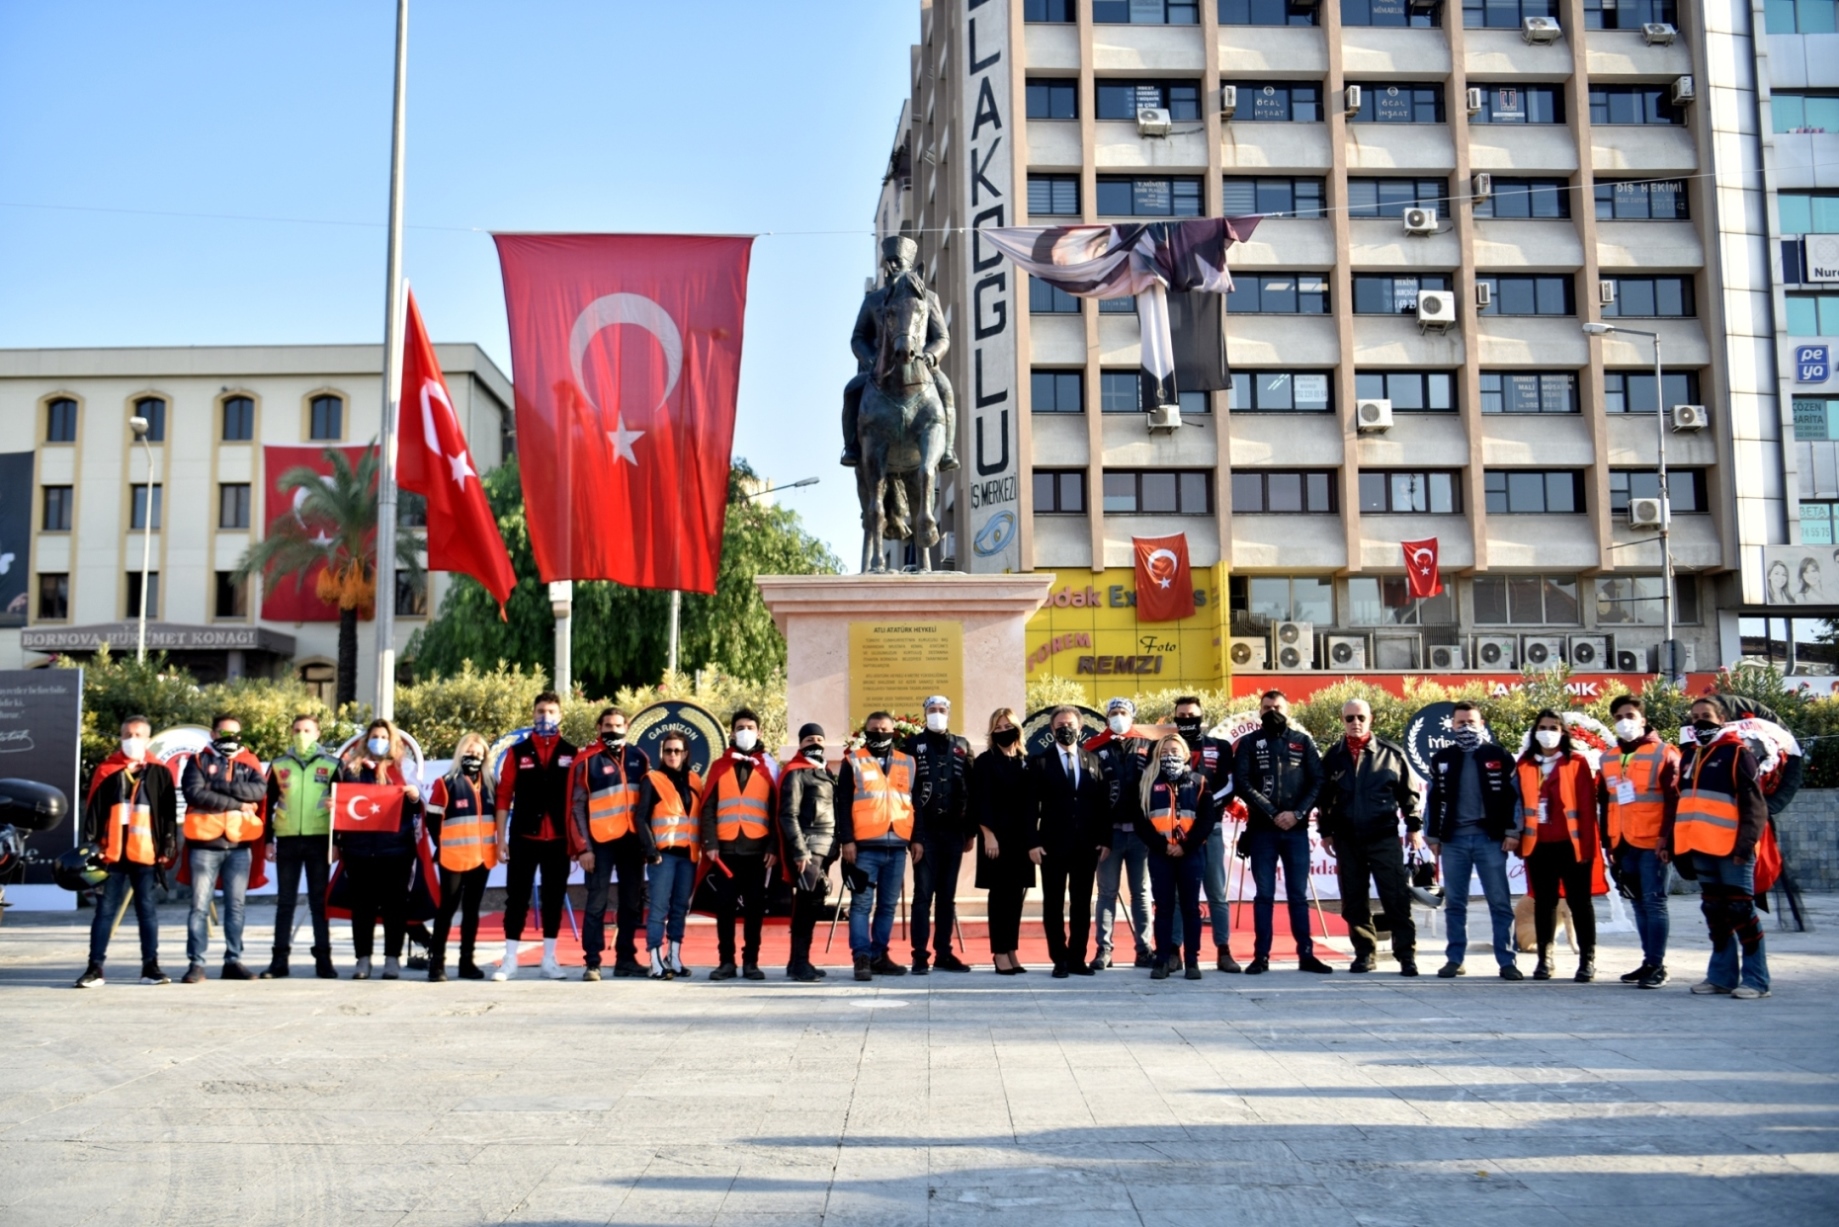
[1174, 566]
[351, 809]
[1421, 557]
[461, 465]
[605, 312]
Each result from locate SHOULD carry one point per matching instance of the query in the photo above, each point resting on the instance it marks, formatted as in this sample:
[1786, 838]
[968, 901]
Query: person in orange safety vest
[1722, 818]
[741, 838]
[131, 813]
[1559, 840]
[1638, 790]
[877, 827]
[226, 791]
[603, 815]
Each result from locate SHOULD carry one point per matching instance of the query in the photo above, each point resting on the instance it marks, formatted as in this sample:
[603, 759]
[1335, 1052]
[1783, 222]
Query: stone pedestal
[814, 613]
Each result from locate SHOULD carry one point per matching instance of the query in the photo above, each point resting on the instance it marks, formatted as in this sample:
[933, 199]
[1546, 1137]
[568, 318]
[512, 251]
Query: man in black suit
[1073, 836]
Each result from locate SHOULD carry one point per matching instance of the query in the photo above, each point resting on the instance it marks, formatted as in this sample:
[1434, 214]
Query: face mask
[880, 743]
[1466, 737]
[1119, 725]
[1630, 728]
[938, 721]
[227, 744]
[814, 753]
[613, 739]
[1189, 728]
[1707, 729]
[472, 764]
[544, 728]
[1172, 768]
[306, 743]
[745, 740]
[134, 747]
[378, 746]
[1067, 734]
[1548, 739]
[1273, 721]
[1006, 737]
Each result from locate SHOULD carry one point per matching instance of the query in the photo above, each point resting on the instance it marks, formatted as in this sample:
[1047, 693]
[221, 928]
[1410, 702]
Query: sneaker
[1100, 961]
[1512, 972]
[1638, 974]
[507, 970]
[920, 965]
[91, 977]
[549, 969]
[1705, 988]
[233, 970]
[1226, 963]
[1145, 960]
[1449, 971]
[751, 971]
[150, 973]
[1655, 977]
[591, 975]
[725, 971]
[658, 969]
[392, 968]
[863, 970]
[1407, 967]
[1364, 963]
[950, 962]
[193, 974]
[1257, 967]
[884, 966]
[362, 970]
[1744, 992]
[1310, 963]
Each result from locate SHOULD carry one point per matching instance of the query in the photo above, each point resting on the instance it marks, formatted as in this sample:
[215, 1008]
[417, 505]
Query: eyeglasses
[1353, 719]
[672, 750]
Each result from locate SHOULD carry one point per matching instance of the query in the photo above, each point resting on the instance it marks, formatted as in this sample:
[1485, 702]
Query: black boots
[1545, 967]
[277, 966]
[322, 963]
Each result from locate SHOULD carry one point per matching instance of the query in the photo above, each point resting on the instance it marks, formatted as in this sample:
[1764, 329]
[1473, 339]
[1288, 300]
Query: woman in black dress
[1003, 801]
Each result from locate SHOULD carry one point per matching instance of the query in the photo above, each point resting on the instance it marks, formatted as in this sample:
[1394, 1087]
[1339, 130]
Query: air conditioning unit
[1539, 30]
[1481, 186]
[1606, 292]
[1689, 418]
[1250, 653]
[1436, 310]
[1496, 651]
[1421, 220]
[1591, 654]
[1447, 657]
[1541, 651]
[1229, 101]
[1684, 90]
[1474, 99]
[1484, 294]
[1396, 651]
[1644, 513]
[1346, 651]
[1371, 416]
[1685, 658]
[1350, 99]
[1165, 419]
[1154, 121]
[1659, 33]
[1294, 643]
[1633, 660]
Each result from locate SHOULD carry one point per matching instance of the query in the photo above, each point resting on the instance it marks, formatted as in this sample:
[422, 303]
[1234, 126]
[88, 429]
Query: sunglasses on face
[673, 750]
[1353, 719]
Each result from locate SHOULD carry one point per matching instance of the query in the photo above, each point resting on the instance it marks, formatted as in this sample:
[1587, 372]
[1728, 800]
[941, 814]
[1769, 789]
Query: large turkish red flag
[433, 461]
[624, 432]
[1165, 584]
[282, 599]
[1421, 572]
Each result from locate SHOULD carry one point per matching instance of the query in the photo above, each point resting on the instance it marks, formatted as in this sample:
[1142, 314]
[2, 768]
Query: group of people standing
[1146, 808]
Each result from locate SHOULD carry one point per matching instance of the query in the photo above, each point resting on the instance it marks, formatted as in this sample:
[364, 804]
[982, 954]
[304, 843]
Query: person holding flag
[462, 824]
[300, 807]
[224, 790]
[603, 808]
[131, 813]
[741, 841]
[532, 804]
[376, 844]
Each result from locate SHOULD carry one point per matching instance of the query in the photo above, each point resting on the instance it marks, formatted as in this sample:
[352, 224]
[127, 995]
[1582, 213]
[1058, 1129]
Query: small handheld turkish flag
[1165, 585]
[367, 807]
[1421, 567]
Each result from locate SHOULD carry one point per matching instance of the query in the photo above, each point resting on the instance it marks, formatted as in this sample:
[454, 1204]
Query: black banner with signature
[41, 717]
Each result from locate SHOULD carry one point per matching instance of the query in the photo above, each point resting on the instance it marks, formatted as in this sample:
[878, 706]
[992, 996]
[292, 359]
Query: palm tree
[335, 523]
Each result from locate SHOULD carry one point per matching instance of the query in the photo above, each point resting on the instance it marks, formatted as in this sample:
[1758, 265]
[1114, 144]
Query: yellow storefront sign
[1088, 632]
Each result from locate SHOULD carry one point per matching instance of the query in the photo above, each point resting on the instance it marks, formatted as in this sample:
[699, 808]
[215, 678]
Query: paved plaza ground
[1282, 1099]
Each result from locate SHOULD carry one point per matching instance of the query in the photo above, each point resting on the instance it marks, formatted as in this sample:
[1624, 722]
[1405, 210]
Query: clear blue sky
[710, 116]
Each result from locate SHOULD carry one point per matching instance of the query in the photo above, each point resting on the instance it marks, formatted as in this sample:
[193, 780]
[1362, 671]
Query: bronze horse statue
[900, 432]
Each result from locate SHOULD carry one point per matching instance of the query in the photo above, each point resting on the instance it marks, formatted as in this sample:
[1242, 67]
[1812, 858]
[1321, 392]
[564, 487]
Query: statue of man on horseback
[898, 414]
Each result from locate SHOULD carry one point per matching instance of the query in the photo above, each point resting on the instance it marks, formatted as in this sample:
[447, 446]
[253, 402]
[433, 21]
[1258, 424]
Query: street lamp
[803, 481]
[1669, 657]
[140, 426]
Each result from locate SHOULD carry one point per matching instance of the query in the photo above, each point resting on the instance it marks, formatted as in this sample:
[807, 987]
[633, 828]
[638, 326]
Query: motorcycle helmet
[80, 868]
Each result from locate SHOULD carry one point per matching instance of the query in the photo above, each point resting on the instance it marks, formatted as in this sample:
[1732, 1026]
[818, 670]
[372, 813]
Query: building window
[1391, 197]
[1059, 491]
[1146, 12]
[1817, 517]
[1660, 200]
[1057, 391]
[1516, 295]
[1400, 492]
[1633, 391]
[1187, 492]
[1504, 14]
[1282, 392]
[1053, 98]
[1395, 103]
[1528, 392]
[54, 509]
[1796, 213]
[1534, 491]
[1661, 296]
[1123, 99]
[1801, 16]
[1240, 197]
[1126, 305]
[1120, 392]
[1267, 13]
[1628, 14]
[1633, 104]
[1526, 600]
[1803, 111]
[53, 596]
[326, 418]
[232, 596]
[1255, 602]
[153, 594]
[1261, 491]
[61, 420]
[1303, 294]
[1385, 295]
[1409, 391]
[1520, 104]
[154, 410]
[1144, 196]
[238, 419]
[1518, 199]
[1053, 195]
[320, 678]
[1046, 298]
[233, 504]
[1634, 600]
[411, 595]
[137, 516]
[411, 510]
[1685, 488]
[1279, 102]
[1812, 315]
[1386, 600]
[1391, 13]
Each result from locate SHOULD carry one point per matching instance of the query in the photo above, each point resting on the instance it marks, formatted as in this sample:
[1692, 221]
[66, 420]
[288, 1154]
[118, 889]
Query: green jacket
[300, 794]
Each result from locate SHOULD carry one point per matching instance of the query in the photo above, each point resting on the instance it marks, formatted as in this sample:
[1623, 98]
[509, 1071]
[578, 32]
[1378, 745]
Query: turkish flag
[1421, 567]
[282, 599]
[433, 461]
[1165, 585]
[627, 353]
[367, 807]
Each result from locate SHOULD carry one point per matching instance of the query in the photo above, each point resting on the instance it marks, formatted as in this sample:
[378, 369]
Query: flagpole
[676, 618]
[392, 388]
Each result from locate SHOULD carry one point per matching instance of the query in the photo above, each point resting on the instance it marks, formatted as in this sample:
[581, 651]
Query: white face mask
[379, 746]
[938, 721]
[134, 747]
[1119, 724]
[1548, 739]
[745, 740]
[1630, 728]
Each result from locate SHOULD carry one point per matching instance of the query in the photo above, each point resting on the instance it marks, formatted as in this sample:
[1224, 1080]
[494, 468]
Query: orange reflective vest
[883, 800]
[469, 833]
[1572, 798]
[1174, 821]
[1707, 818]
[611, 797]
[671, 824]
[233, 825]
[1636, 776]
[741, 812]
[131, 828]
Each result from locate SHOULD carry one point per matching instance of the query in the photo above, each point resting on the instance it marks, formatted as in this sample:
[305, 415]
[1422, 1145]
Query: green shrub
[436, 711]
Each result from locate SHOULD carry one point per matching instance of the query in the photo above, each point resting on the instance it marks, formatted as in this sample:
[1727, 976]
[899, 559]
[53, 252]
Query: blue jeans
[1647, 876]
[1213, 879]
[1475, 850]
[108, 903]
[1726, 887]
[671, 880]
[206, 862]
[1127, 853]
[1270, 845]
[886, 867]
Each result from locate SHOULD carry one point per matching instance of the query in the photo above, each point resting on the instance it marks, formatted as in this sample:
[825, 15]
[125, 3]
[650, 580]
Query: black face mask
[1273, 721]
[1706, 729]
[471, 764]
[1066, 734]
[1006, 737]
[1189, 728]
[814, 753]
[226, 745]
[612, 739]
[880, 743]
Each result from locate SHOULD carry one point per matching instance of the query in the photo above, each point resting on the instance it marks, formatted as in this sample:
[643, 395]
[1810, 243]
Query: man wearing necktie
[1073, 836]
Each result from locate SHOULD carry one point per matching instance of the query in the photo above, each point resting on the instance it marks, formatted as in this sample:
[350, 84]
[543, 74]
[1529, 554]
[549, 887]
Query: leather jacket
[1365, 799]
[1275, 772]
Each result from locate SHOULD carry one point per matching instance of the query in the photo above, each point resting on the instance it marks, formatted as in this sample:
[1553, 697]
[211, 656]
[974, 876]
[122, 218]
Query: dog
[1525, 933]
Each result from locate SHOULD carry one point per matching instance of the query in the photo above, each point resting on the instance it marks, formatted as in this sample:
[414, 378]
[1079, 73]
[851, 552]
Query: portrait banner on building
[291, 598]
[15, 535]
[1800, 575]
